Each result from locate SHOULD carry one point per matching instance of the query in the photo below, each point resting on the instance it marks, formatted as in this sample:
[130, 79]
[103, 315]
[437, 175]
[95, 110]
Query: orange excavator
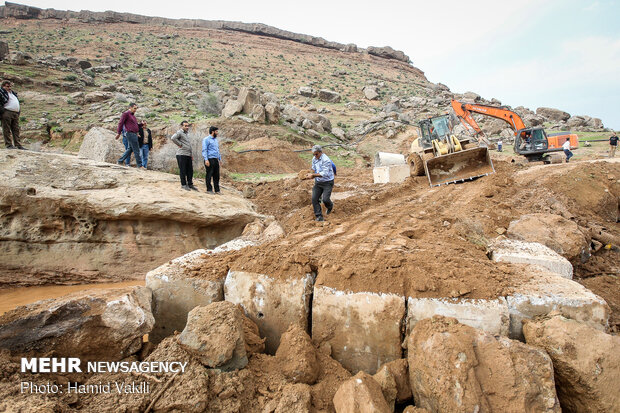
[533, 143]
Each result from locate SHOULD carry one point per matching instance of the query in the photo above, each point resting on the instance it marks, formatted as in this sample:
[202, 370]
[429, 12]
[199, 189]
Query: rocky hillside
[79, 69]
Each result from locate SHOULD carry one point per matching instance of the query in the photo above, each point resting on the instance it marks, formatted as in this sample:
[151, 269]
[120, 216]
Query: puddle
[14, 297]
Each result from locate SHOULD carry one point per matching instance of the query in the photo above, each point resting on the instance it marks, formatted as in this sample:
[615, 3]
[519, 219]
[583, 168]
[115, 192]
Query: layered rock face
[65, 220]
[20, 11]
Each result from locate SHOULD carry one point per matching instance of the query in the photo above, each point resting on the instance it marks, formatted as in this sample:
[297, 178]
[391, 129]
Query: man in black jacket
[145, 142]
[9, 106]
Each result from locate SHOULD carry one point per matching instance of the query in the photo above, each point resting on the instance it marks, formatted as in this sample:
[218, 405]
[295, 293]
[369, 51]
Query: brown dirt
[409, 239]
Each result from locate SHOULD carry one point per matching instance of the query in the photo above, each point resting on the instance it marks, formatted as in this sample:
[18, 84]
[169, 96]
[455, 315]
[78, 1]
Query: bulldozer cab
[437, 128]
[531, 141]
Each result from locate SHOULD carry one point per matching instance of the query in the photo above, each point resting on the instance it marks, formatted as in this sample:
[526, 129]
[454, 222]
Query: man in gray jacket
[184, 156]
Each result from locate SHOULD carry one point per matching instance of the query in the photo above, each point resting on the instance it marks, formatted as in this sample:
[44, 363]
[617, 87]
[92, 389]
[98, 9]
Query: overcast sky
[555, 53]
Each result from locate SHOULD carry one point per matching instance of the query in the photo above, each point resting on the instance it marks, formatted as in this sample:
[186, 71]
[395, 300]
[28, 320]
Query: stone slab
[521, 252]
[492, 316]
[546, 292]
[175, 294]
[390, 174]
[363, 329]
[273, 304]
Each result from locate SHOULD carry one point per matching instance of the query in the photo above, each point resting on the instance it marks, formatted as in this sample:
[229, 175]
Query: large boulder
[388, 53]
[93, 97]
[232, 108]
[586, 362]
[370, 92]
[307, 91]
[552, 114]
[248, 98]
[329, 96]
[272, 112]
[360, 394]
[100, 144]
[556, 232]
[214, 334]
[457, 368]
[92, 325]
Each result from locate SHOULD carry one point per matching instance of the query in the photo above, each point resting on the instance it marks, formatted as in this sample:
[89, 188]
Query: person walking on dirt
[184, 157]
[9, 110]
[567, 151]
[323, 174]
[613, 145]
[130, 124]
[213, 160]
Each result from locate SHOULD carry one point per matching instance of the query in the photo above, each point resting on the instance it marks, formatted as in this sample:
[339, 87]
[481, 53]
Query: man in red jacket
[130, 123]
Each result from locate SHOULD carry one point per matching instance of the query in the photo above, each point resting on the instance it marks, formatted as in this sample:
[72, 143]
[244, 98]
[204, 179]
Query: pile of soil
[424, 242]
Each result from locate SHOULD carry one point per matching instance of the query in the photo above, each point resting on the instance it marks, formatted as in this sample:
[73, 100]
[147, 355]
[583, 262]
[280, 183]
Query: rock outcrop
[19, 11]
[100, 144]
[457, 368]
[552, 114]
[586, 362]
[65, 219]
[91, 325]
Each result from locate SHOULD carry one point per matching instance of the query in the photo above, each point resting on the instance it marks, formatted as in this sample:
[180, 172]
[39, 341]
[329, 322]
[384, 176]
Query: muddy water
[14, 297]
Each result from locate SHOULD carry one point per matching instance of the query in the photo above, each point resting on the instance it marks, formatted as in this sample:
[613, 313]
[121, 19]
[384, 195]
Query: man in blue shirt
[323, 174]
[213, 160]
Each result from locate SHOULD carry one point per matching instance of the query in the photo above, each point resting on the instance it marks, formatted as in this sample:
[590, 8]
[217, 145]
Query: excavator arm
[464, 112]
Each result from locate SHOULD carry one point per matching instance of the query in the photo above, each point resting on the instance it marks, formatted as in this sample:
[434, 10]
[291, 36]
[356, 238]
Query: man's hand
[117, 135]
[207, 164]
[309, 176]
[221, 162]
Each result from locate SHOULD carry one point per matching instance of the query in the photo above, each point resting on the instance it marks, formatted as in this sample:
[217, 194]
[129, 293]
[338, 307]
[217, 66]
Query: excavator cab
[530, 140]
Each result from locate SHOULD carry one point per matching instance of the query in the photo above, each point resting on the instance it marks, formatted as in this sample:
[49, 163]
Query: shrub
[70, 78]
[132, 78]
[209, 104]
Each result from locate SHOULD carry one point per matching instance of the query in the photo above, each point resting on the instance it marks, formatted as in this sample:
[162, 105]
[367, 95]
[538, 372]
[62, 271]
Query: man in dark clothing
[184, 157]
[130, 123]
[213, 160]
[9, 111]
[145, 142]
[613, 145]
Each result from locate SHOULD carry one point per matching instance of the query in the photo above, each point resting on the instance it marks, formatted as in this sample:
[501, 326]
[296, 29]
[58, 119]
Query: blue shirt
[323, 166]
[211, 148]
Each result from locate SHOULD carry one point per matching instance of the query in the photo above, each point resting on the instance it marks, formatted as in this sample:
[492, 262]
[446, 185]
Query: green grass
[259, 177]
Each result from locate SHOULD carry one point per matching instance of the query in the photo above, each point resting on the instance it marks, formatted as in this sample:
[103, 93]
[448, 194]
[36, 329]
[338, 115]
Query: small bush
[70, 78]
[209, 104]
[132, 78]
[89, 72]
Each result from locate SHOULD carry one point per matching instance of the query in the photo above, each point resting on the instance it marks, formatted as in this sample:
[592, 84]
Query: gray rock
[329, 96]
[99, 145]
[307, 91]
[232, 108]
[388, 53]
[4, 50]
[370, 92]
[552, 114]
[272, 111]
[248, 98]
[97, 97]
[258, 113]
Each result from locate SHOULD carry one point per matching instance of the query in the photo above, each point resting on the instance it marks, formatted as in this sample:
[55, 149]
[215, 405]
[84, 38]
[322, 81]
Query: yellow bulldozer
[444, 158]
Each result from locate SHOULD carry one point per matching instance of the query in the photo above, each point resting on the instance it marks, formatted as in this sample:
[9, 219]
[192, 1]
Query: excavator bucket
[459, 166]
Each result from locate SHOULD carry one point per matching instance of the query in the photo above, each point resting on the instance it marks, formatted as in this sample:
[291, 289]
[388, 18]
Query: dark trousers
[10, 125]
[132, 140]
[322, 189]
[213, 172]
[186, 169]
[568, 154]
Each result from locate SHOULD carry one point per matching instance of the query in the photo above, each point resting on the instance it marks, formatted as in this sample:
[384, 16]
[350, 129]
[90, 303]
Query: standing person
[146, 143]
[130, 123]
[10, 109]
[323, 182]
[184, 156]
[567, 151]
[613, 145]
[499, 145]
[126, 145]
[213, 160]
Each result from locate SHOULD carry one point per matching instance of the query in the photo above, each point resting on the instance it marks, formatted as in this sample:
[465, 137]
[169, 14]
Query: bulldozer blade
[459, 166]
